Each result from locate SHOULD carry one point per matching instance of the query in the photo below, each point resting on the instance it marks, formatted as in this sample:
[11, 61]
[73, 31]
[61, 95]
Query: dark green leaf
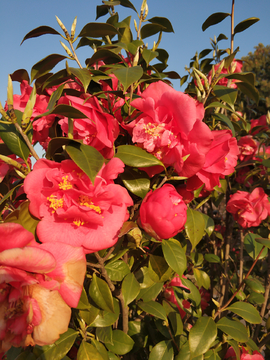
[246, 311]
[117, 270]
[55, 97]
[253, 247]
[225, 94]
[87, 158]
[107, 318]
[20, 75]
[202, 335]
[60, 348]
[133, 46]
[162, 351]
[249, 90]
[153, 308]
[97, 30]
[122, 343]
[45, 65]
[194, 226]
[164, 22]
[151, 29]
[245, 24]
[262, 241]
[83, 75]
[109, 57]
[128, 75]
[214, 19]
[23, 217]
[159, 270]
[8, 194]
[203, 280]
[221, 37]
[41, 30]
[149, 55]
[137, 182]
[255, 298]
[212, 355]
[85, 41]
[235, 347]
[83, 303]
[56, 145]
[130, 288]
[212, 258]
[209, 224]
[204, 53]
[136, 157]
[88, 352]
[223, 118]
[255, 285]
[104, 334]
[26, 355]
[102, 10]
[127, 4]
[194, 294]
[100, 348]
[100, 293]
[151, 292]
[233, 328]
[174, 255]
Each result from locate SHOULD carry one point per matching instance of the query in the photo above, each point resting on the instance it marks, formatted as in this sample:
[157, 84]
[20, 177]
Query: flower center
[55, 203]
[65, 185]
[84, 200]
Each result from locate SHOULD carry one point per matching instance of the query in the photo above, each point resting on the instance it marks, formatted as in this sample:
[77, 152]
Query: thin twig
[30, 146]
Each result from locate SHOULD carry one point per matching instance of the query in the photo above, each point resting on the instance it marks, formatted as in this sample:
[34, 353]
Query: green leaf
[122, 343]
[225, 94]
[175, 255]
[133, 46]
[117, 270]
[151, 29]
[262, 241]
[83, 75]
[249, 90]
[55, 97]
[13, 352]
[13, 139]
[45, 65]
[202, 335]
[104, 334]
[255, 285]
[212, 258]
[245, 24]
[61, 347]
[153, 308]
[246, 311]
[162, 351]
[136, 157]
[233, 328]
[255, 298]
[235, 347]
[41, 30]
[87, 158]
[107, 318]
[209, 224]
[128, 75]
[159, 270]
[202, 278]
[194, 294]
[101, 294]
[9, 193]
[109, 57]
[149, 55]
[88, 352]
[83, 303]
[194, 226]
[130, 288]
[212, 355]
[136, 181]
[214, 19]
[223, 118]
[127, 4]
[23, 217]
[253, 247]
[164, 22]
[20, 75]
[151, 292]
[97, 30]
[64, 110]
[100, 348]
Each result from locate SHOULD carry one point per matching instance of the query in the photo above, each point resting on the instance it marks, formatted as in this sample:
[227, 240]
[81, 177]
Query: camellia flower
[74, 211]
[230, 355]
[248, 147]
[169, 294]
[39, 284]
[99, 129]
[249, 209]
[261, 123]
[171, 128]
[163, 212]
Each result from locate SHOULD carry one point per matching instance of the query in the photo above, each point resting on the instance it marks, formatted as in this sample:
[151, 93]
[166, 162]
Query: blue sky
[19, 17]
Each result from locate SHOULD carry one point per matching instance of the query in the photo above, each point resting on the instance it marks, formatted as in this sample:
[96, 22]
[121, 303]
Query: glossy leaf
[212, 355]
[150, 292]
[135, 156]
[87, 158]
[83, 75]
[209, 224]
[262, 241]
[23, 217]
[202, 335]
[9, 193]
[249, 90]
[122, 343]
[88, 352]
[64, 110]
[214, 19]
[233, 328]
[212, 258]
[97, 30]
[128, 75]
[84, 302]
[101, 294]
[162, 351]
[133, 46]
[45, 65]
[61, 347]
[164, 22]
[225, 94]
[194, 226]
[223, 118]
[104, 334]
[151, 29]
[235, 347]
[127, 4]
[117, 270]
[149, 55]
[55, 97]
[255, 298]
[194, 294]
[20, 75]
[100, 348]
[203, 280]
[245, 24]
[13, 139]
[255, 285]
[153, 308]
[246, 311]
[130, 288]
[253, 247]
[107, 318]
[159, 270]
[175, 256]
[137, 182]
[41, 30]
[109, 57]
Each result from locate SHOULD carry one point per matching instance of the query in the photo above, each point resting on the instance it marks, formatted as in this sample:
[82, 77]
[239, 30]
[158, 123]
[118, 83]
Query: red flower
[169, 294]
[163, 213]
[248, 147]
[249, 209]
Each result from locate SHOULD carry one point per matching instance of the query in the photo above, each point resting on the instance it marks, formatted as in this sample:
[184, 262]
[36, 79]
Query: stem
[14, 163]
[30, 146]
[104, 271]
[74, 54]
[232, 27]
[241, 256]
[240, 286]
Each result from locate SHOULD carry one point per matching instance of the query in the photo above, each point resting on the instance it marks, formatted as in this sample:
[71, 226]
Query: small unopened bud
[62, 26]
[268, 117]
[198, 94]
[145, 12]
[73, 28]
[67, 49]
[10, 92]
[135, 25]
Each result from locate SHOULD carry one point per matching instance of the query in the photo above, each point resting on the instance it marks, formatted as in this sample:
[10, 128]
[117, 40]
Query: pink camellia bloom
[171, 128]
[230, 355]
[248, 147]
[220, 160]
[169, 294]
[249, 209]
[237, 68]
[163, 212]
[99, 129]
[261, 123]
[74, 211]
[39, 284]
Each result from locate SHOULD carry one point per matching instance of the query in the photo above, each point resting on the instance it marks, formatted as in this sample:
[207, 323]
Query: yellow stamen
[65, 185]
[86, 201]
[55, 203]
